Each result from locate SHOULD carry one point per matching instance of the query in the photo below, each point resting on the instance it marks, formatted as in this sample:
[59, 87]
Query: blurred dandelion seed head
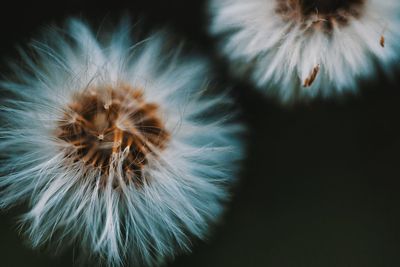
[303, 49]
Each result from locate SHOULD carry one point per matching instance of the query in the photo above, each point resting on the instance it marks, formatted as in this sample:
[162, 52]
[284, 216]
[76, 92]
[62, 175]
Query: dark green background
[319, 187]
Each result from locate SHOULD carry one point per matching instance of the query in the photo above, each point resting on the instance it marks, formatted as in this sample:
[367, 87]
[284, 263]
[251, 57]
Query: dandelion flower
[115, 146]
[302, 49]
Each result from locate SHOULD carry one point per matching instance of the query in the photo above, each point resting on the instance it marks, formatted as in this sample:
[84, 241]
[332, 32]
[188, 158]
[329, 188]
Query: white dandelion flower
[301, 49]
[115, 146]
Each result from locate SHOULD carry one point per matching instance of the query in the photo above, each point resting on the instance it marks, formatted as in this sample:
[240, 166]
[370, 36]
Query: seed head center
[320, 14]
[106, 122]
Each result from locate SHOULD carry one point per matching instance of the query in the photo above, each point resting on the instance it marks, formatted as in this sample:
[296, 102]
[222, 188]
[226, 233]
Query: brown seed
[382, 41]
[311, 78]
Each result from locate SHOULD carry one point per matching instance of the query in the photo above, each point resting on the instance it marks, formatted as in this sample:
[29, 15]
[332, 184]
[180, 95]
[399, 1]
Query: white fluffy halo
[291, 55]
[98, 207]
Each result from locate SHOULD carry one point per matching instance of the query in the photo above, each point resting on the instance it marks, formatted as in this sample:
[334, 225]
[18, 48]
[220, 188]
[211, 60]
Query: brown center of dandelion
[320, 14]
[113, 129]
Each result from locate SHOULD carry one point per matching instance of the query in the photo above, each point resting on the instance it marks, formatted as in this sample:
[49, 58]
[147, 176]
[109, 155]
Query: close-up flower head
[115, 145]
[302, 49]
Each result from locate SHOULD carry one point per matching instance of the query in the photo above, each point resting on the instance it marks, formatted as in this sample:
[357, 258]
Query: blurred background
[320, 186]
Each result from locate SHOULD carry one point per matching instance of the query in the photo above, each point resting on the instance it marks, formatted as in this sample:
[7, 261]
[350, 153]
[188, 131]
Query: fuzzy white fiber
[278, 55]
[188, 181]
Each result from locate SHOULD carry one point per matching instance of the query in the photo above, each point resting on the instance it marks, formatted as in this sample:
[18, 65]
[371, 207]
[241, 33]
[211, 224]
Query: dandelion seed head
[298, 50]
[115, 146]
